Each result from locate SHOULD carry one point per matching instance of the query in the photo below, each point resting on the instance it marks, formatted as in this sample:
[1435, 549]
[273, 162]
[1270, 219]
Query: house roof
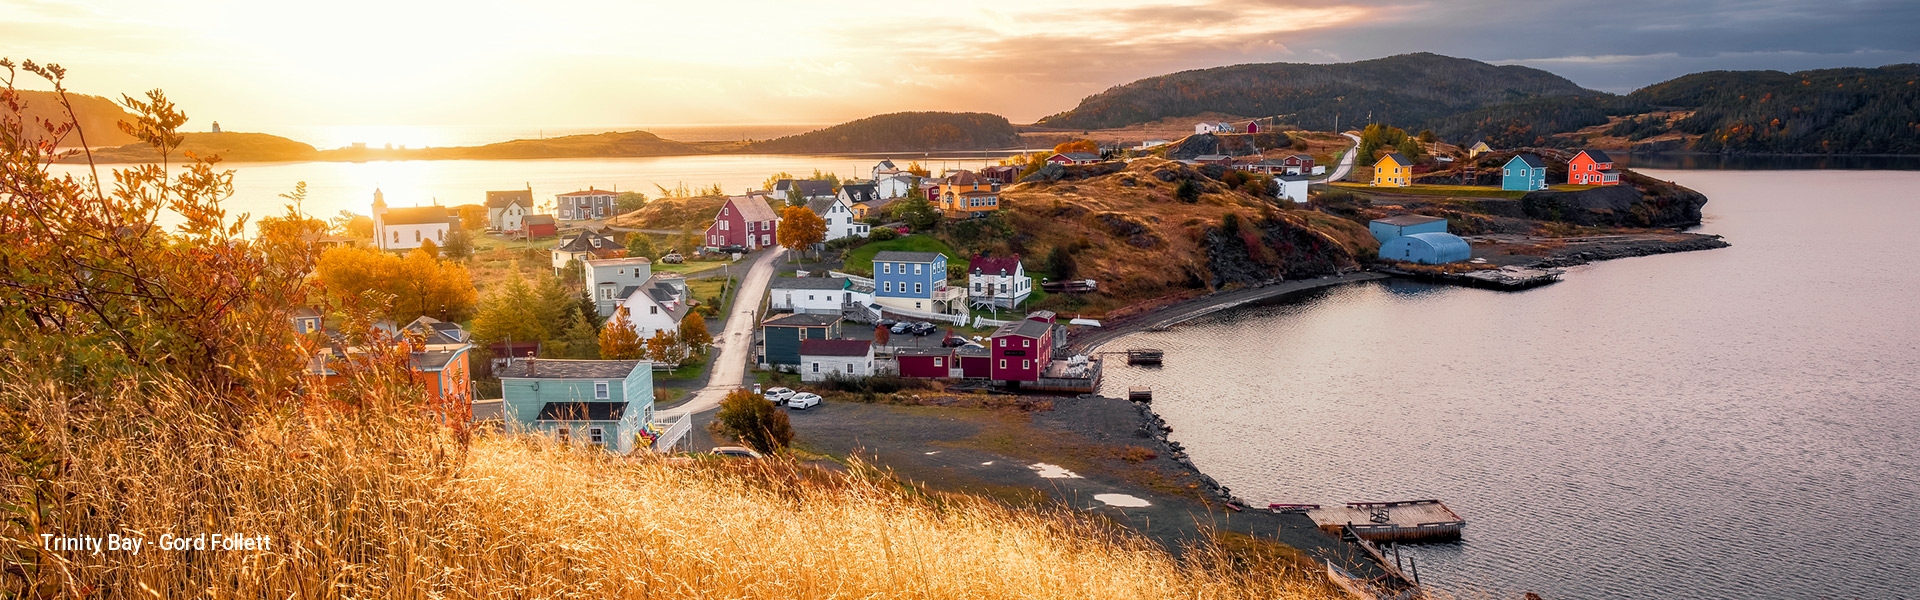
[801, 320]
[587, 192]
[1212, 157]
[752, 208]
[1406, 220]
[813, 187]
[509, 197]
[531, 220]
[879, 203]
[660, 290]
[886, 164]
[923, 351]
[306, 312]
[835, 347]
[1027, 328]
[619, 262]
[433, 361]
[417, 215]
[1530, 160]
[1302, 157]
[913, 257]
[1597, 155]
[626, 292]
[1080, 156]
[994, 265]
[1292, 178]
[860, 192]
[972, 350]
[587, 241]
[1480, 144]
[808, 283]
[1397, 158]
[820, 206]
[556, 368]
[582, 411]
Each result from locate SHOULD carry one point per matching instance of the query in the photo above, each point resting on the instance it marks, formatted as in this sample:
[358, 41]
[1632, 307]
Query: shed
[1427, 248]
[822, 359]
[784, 334]
[1399, 225]
[933, 363]
[976, 362]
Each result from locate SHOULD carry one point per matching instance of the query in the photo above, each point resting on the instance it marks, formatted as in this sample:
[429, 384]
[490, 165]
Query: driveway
[735, 343]
[1346, 162]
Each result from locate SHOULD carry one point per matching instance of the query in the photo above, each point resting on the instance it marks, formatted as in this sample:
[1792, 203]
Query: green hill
[1400, 90]
[906, 131]
[593, 145]
[1826, 111]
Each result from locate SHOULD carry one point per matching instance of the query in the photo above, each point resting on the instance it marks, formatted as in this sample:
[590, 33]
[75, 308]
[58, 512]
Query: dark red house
[745, 221]
[540, 226]
[976, 362]
[1021, 349]
[931, 363]
[1004, 175]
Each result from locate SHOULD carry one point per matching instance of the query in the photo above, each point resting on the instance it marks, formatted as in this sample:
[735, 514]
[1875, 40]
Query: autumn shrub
[754, 421]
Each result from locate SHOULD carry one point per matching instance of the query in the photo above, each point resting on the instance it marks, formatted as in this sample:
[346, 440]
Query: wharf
[1404, 521]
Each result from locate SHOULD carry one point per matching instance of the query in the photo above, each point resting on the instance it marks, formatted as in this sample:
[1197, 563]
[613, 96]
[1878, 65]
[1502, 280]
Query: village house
[1021, 350]
[658, 304]
[821, 359]
[927, 363]
[407, 228]
[1291, 187]
[505, 210]
[1592, 167]
[997, 281]
[1216, 127]
[782, 336]
[885, 168]
[915, 281]
[1001, 174]
[1431, 248]
[539, 226]
[1524, 172]
[584, 246]
[816, 295]
[437, 356]
[1214, 159]
[745, 221]
[965, 195]
[603, 403]
[1399, 225]
[611, 280]
[1253, 127]
[585, 204]
[1073, 158]
[1478, 148]
[838, 214]
[1393, 170]
[307, 320]
[809, 189]
[872, 208]
[1149, 144]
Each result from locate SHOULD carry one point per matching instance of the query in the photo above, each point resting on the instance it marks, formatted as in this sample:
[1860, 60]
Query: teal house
[784, 333]
[606, 403]
[1524, 173]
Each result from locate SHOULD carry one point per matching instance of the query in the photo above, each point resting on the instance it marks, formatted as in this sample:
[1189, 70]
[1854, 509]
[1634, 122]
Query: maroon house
[931, 363]
[540, 226]
[744, 221]
[1021, 349]
[976, 362]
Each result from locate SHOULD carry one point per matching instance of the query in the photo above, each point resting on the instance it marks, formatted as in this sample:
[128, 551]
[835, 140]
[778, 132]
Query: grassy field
[860, 260]
[1465, 191]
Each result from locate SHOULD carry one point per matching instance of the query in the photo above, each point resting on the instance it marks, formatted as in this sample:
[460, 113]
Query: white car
[778, 395]
[803, 401]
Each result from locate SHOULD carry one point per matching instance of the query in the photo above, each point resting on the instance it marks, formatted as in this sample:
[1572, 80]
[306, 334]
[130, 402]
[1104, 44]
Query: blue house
[600, 402]
[1427, 248]
[1524, 173]
[915, 281]
[1399, 225]
[784, 333]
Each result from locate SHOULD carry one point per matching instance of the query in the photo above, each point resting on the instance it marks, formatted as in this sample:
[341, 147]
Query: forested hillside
[97, 117]
[902, 131]
[1827, 111]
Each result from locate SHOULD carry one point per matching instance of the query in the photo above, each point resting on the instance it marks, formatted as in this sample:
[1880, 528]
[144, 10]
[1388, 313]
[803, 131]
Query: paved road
[1346, 161]
[735, 343]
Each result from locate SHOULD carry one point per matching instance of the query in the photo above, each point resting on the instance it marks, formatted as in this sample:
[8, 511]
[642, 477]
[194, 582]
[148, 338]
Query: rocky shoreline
[1585, 254]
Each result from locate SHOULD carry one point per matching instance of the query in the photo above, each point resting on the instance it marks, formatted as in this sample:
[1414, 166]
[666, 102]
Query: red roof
[835, 347]
[589, 192]
[994, 265]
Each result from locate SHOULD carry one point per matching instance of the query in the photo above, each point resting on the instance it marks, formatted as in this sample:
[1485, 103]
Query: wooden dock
[1404, 521]
[1145, 356]
[1140, 393]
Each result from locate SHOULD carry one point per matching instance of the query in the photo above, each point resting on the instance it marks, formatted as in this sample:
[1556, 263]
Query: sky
[277, 66]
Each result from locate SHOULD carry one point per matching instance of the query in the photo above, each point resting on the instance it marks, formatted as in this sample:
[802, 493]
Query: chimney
[531, 371]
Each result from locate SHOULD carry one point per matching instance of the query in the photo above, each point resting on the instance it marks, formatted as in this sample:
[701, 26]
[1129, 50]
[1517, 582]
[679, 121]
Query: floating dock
[1140, 393]
[1145, 356]
[1404, 521]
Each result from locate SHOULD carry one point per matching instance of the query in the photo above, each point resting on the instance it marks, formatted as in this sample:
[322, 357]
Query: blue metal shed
[1427, 248]
[1399, 225]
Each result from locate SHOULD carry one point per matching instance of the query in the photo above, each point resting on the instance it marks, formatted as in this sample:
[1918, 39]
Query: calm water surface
[1739, 423]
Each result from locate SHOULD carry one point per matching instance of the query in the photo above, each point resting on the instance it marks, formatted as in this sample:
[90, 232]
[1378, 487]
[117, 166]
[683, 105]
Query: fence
[929, 316]
[979, 321]
[866, 281]
[674, 435]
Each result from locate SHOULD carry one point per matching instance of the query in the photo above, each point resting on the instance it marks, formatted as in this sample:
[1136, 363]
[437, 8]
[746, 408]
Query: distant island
[907, 131]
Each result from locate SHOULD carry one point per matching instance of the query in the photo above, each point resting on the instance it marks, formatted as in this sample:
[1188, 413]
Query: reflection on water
[1739, 423]
[1768, 163]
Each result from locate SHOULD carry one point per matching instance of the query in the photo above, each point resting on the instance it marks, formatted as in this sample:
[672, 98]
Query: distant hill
[229, 146]
[906, 131]
[1402, 90]
[99, 117]
[594, 145]
[1826, 111]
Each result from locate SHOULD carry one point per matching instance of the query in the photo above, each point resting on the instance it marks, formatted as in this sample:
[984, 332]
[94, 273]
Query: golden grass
[364, 502]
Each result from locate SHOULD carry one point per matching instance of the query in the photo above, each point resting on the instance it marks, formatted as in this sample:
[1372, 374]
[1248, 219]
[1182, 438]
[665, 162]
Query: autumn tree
[1086, 146]
[693, 332]
[620, 341]
[1060, 263]
[774, 180]
[915, 168]
[750, 418]
[416, 285]
[352, 225]
[661, 347]
[511, 311]
[473, 217]
[430, 248]
[800, 229]
[641, 244]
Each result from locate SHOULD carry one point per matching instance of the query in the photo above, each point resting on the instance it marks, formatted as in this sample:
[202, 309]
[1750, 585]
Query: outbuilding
[1427, 248]
[931, 363]
[1291, 187]
[820, 359]
[784, 334]
[1399, 225]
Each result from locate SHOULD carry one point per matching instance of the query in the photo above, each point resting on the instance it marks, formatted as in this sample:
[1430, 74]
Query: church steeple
[379, 200]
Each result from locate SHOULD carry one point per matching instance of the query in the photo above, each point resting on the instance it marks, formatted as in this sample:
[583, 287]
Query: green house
[783, 335]
[606, 403]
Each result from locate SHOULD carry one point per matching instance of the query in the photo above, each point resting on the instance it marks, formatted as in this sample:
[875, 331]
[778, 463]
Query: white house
[1291, 187]
[820, 359]
[658, 304]
[586, 245]
[1201, 128]
[408, 228]
[506, 209]
[895, 186]
[611, 280]
[885, 169]
[816, 295]
[839, 215]
[997, 281]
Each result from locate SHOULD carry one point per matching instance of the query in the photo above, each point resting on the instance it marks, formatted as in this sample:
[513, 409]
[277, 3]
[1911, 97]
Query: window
[816, 367]
[888, 287]
[565, 434]
[1003, 342]
[917, 288]
[1026, 364]
[1026, 343]
[886, 268]
[601, 390]
[809, 296]
[916, 269]
[396, 237]
[416, 235]
[596, 435]
[1003, 363]
[939, 361]
[653, 310]
[440, 235]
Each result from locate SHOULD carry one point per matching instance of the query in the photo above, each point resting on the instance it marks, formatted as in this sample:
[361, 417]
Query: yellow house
[1478, 149]
[1393, 170]
[966, 195]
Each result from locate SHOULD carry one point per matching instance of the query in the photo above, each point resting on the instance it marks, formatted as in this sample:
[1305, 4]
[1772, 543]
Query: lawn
[691, 266]
[860, 260]
[1469, 191]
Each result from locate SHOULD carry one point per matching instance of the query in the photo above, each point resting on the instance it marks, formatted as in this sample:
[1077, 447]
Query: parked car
[736, 452]
[778, 395]
[734, 249]
[887, 323]
[924, 328]
[954, 342]
[673, 258]
[803, 401]
[901, 327]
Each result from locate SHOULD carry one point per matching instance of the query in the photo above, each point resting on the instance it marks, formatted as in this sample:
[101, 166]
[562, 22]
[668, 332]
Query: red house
[1592, 167]
[931, 363]
[540, 226]
[1074, 158]
[745, 221]
[976, 362]
[1021, 349]
[1003, 175]
[1253, 127]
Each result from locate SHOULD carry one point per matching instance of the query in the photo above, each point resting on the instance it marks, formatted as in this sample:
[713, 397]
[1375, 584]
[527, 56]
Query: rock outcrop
[1661, 205]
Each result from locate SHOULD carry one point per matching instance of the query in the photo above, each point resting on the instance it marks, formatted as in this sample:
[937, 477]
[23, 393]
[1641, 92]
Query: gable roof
[1596, 155]
[752, 208]
[900, 256]
[886, 164]
[1212, 157]
[433, 361]
[556, 368]
[1080, 156]
[537, 220]
[860, 192]
[1397, 158]
[820, 206]
[931, 351]
[994, 265]
[660, 291]
[1530, 160]
[1406, 220]
[812, 347]
[417, 215]
[509, 197]
[588, 241]
[1028, 328]
[582, 411]
[813, 187]
[587, 192]
[801, 320]
[808, 283]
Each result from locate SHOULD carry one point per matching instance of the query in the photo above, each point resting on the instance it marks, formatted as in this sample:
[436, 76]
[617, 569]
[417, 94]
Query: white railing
[675, 433]
[866, 281]
[930, 316]
[979, 322]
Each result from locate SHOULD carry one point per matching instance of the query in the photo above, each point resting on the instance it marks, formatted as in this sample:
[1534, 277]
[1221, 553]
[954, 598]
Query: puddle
[1053, 471]
[1121, 500]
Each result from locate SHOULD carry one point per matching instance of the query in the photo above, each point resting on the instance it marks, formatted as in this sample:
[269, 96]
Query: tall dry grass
[366, 503]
